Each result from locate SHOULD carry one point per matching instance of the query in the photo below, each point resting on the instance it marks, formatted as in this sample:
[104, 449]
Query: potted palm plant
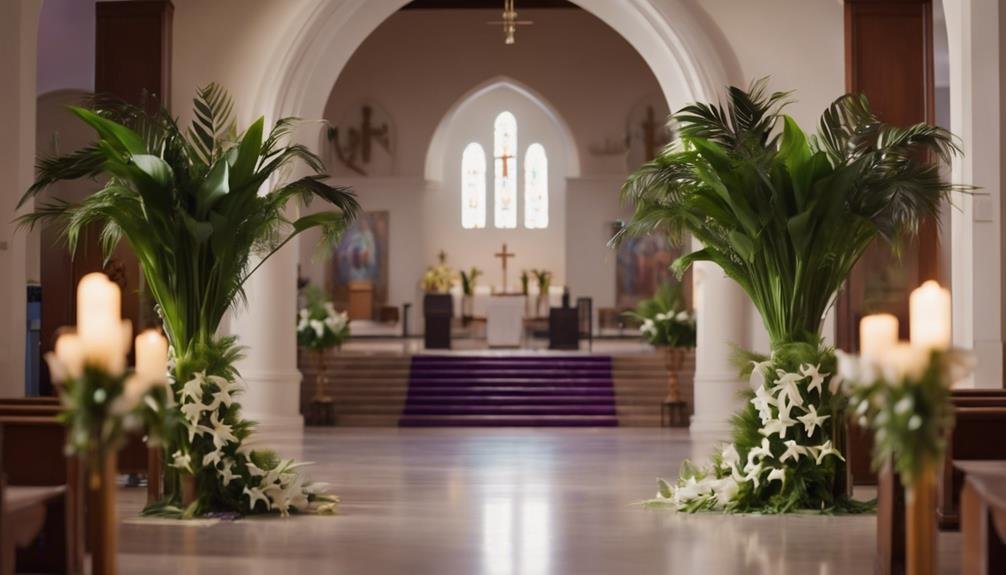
[667, 325]
[544, 279]
[786, 216]
[195, 206]
[468, 281]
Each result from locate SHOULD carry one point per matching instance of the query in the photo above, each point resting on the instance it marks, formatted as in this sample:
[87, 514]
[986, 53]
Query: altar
[505, 320]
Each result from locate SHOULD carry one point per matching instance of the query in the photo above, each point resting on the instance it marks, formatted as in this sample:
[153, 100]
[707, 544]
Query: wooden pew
[34, 464]
[983, 521]
[134, 458]
[972, 438]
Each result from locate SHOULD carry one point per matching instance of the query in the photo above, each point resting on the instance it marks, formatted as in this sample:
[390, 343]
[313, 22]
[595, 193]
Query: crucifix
[506, 163]
[504, 255]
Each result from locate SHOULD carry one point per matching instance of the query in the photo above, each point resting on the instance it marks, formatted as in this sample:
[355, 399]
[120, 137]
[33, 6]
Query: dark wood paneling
[889, 57]
[133, 49]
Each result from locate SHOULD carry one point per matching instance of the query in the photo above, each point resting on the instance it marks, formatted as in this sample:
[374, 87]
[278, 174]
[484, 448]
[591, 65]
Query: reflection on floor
[501, 502]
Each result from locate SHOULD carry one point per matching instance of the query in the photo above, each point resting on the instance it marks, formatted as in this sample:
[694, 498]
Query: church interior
[503, 286]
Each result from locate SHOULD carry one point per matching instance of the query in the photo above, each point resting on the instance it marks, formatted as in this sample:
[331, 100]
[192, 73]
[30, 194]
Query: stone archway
[670, 38]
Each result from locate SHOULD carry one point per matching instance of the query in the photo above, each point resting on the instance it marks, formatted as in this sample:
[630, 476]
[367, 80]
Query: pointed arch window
[505, 170]
[473, 187]
[535, 187]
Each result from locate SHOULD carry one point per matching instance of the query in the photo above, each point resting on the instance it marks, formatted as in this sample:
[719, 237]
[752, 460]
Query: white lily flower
[754, 472]
[682, 316]
[254, 495]
[193, 388]
[196, 429]
[777, 474]
[724, 490]
[763, 401]
[254, 470]
[729, 454]
[812, 420]
[826, 449]
[304, 313]
[318, 327]
[759, 373]
[787, 383]
[182, 461]
[777, 426]
[212, 458]
[193, 411]
[765, 450]
[222, 433]
[793, 451]
[904, 405]
[227, 474]
[815, 375]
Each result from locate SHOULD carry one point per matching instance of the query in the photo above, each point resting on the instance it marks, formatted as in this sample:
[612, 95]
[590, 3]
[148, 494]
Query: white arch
[434, 170]
[668, 34]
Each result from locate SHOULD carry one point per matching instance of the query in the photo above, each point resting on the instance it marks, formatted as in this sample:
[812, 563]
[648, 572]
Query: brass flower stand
[674, 409]
[321, 411]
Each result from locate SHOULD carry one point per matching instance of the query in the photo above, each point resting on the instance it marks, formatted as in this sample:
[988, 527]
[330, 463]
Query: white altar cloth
[505, 320]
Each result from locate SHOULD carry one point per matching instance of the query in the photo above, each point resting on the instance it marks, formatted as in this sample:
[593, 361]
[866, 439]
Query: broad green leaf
[157, 169]
[213, 188]
[201, 231]
[743, 245]
[247, 154]
[128, 141]
[800, 227]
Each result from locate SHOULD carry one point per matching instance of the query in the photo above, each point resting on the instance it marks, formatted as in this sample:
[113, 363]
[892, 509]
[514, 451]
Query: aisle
[501, 502]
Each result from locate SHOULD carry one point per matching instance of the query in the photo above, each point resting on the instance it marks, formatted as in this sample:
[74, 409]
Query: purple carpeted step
[507, 421]
[510, 390]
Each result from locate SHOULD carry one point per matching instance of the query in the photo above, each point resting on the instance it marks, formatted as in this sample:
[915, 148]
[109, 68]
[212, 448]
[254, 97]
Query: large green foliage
[787, 215]
[189, 204]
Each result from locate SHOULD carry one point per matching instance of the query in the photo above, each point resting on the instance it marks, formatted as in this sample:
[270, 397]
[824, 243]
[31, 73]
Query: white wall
[66, 46]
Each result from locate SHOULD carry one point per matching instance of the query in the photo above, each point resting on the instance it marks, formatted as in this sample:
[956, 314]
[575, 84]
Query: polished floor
[500, 502]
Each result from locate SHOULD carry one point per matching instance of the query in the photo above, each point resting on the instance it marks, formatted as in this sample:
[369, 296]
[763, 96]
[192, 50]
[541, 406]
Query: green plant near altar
[525, 282]
[469, 279]
[319, 325]
[201, 208]
[663, 319]
[544, 279]
[786, 216]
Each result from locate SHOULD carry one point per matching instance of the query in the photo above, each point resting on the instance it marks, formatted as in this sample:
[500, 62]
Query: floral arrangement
[783, 456]
[190, 204]
[787, 216]
[319, 325]
[469, 279]
[438, 279]
[664, 321]
[525, 282]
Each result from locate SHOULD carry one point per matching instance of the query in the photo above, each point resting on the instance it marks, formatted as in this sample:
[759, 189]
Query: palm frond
[213, 123]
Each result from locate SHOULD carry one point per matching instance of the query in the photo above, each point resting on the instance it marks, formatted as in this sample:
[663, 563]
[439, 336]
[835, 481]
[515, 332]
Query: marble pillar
[266, 327]
[722, 315]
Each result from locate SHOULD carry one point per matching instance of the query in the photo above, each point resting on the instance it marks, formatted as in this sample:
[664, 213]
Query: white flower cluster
[781, 405]
[280, 488]
[649, 326]
[333, 322]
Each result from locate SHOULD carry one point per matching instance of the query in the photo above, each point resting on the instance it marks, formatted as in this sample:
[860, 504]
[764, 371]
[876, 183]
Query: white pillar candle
[929, 306]
[151, 355]
[70, 354]
[877, 334]
[99, 326]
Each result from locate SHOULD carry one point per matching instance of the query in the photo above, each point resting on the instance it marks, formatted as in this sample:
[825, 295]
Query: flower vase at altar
[320, 328]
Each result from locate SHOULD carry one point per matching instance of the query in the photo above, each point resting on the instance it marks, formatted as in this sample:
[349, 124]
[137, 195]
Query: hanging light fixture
[510, 22]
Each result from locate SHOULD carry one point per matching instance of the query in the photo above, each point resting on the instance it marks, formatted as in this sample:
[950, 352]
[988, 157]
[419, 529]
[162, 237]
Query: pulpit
[361, 300]
[438, 309]
[505, 320]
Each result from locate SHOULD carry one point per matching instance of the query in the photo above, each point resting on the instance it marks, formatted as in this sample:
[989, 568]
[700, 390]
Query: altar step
[518, 390]
[370, 389]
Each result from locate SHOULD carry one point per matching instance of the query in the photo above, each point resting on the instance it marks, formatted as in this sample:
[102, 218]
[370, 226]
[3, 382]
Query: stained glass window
[505, 189]
[473, 187]
[535, 187]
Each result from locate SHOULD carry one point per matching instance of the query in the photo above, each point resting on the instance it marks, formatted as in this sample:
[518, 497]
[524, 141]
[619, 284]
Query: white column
[722, 310]
[18, 60]
[266, 326]
[973, 34]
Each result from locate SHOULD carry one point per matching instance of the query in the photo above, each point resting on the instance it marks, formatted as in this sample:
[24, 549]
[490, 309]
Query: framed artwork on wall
[642, 265]
[360, 261]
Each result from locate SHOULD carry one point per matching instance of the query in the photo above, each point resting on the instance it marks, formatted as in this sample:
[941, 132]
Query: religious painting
[642, 265]
[361, 259]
